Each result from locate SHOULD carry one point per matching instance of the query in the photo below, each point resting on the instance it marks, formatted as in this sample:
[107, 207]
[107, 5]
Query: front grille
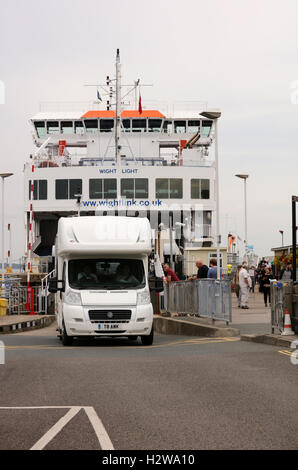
[100, 315]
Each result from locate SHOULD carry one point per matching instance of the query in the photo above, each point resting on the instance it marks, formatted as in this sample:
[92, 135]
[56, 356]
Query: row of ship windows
[128, 125]
[131, 188]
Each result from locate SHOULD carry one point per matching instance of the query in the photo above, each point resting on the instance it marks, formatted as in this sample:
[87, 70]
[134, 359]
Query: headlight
[143, 298]
[73, 298]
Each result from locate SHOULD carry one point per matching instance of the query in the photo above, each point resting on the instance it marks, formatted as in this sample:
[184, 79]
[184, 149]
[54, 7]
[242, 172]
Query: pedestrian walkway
[255, 320]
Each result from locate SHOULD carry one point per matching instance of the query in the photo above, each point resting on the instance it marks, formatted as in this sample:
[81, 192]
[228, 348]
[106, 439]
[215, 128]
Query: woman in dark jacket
[266, 285]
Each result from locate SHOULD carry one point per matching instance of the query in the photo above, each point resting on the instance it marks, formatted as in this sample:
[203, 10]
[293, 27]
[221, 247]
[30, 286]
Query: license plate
[108, 326]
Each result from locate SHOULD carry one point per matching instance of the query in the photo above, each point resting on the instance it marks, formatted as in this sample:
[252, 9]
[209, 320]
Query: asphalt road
[180, 393]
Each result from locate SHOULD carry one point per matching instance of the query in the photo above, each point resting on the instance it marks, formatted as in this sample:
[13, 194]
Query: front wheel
[66, 340]
[148, 340]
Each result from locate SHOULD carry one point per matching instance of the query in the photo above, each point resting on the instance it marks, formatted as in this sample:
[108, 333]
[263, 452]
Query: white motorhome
[101, 283]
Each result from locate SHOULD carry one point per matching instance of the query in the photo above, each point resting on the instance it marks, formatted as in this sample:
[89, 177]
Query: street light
[3, 176]
[215, 115]
[244, 178]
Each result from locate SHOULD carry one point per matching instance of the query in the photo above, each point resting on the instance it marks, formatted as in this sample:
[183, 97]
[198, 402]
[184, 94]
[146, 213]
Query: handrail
[47, 276]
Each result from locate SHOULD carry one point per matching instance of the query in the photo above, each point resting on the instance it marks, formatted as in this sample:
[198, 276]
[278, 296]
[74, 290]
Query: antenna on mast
[118, 110]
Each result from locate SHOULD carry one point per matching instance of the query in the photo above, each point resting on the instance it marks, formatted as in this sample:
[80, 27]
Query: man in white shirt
[244, 284]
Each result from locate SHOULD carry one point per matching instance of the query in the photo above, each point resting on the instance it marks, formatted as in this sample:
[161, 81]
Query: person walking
[266, 285]
[244, 283]
[251, 273]
[237, 286]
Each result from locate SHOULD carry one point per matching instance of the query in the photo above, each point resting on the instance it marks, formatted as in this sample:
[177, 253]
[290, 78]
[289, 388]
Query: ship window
[40, 129]
[53, 127]
[91, 125]
[127, 188]
[169, 188]
[106, 125]
[168, 127]
[61, 189]
[176, 188]
[66, 189]
[66, 127]
[162, 188]
[200, 189]
[134, 188]
[79, 127]
[75, 187]
[180, 127]
[154, 125]
[139, 125]
[43, 189]
[110, 188]
[141, 188]
[40, 190]
[95, 188]
[193, 126]
[205, 189]
[206, 127]
[126, 125]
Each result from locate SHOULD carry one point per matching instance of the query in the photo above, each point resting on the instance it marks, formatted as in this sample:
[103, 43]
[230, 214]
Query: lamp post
[294, 237]
[3, 176]
[244, 178]
[215, 115]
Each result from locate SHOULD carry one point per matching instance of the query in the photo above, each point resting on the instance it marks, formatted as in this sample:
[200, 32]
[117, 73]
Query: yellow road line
[286, 353]
[172, 343]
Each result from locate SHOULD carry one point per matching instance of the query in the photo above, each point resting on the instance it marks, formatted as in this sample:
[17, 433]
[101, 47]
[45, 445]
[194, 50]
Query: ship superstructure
[112, 160]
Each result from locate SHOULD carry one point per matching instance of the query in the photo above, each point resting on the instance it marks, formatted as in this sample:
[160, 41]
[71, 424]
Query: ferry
[123, 158]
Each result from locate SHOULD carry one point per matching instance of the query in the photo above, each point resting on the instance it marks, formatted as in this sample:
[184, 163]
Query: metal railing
[206, 298]
[44, 292]
[281, 299]
[18, 300]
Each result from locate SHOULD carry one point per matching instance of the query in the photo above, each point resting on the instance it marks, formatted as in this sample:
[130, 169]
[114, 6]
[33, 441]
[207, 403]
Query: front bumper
[77, 322]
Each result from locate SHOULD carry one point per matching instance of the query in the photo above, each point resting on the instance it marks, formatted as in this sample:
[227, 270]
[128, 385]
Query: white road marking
[98, 427]
[101, 433]
[54, 430]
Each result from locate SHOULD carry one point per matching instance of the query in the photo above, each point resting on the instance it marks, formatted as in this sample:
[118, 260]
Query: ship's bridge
[87, 138]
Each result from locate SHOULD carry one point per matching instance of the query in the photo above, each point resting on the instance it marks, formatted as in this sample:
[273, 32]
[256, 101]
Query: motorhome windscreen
[106, 273]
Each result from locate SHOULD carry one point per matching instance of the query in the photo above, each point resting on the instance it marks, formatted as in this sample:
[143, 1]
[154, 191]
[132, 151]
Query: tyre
[148, 340]
[66, 340]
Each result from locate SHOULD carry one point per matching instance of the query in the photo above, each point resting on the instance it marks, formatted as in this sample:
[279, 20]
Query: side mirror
[156, 284]
[54, 285]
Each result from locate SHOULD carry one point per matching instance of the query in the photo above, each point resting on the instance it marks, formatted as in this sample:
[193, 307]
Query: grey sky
[240, 56]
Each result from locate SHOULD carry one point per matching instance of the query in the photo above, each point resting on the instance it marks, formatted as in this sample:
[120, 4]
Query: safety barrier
[281, 294]
[22, 301]
[206, 298]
